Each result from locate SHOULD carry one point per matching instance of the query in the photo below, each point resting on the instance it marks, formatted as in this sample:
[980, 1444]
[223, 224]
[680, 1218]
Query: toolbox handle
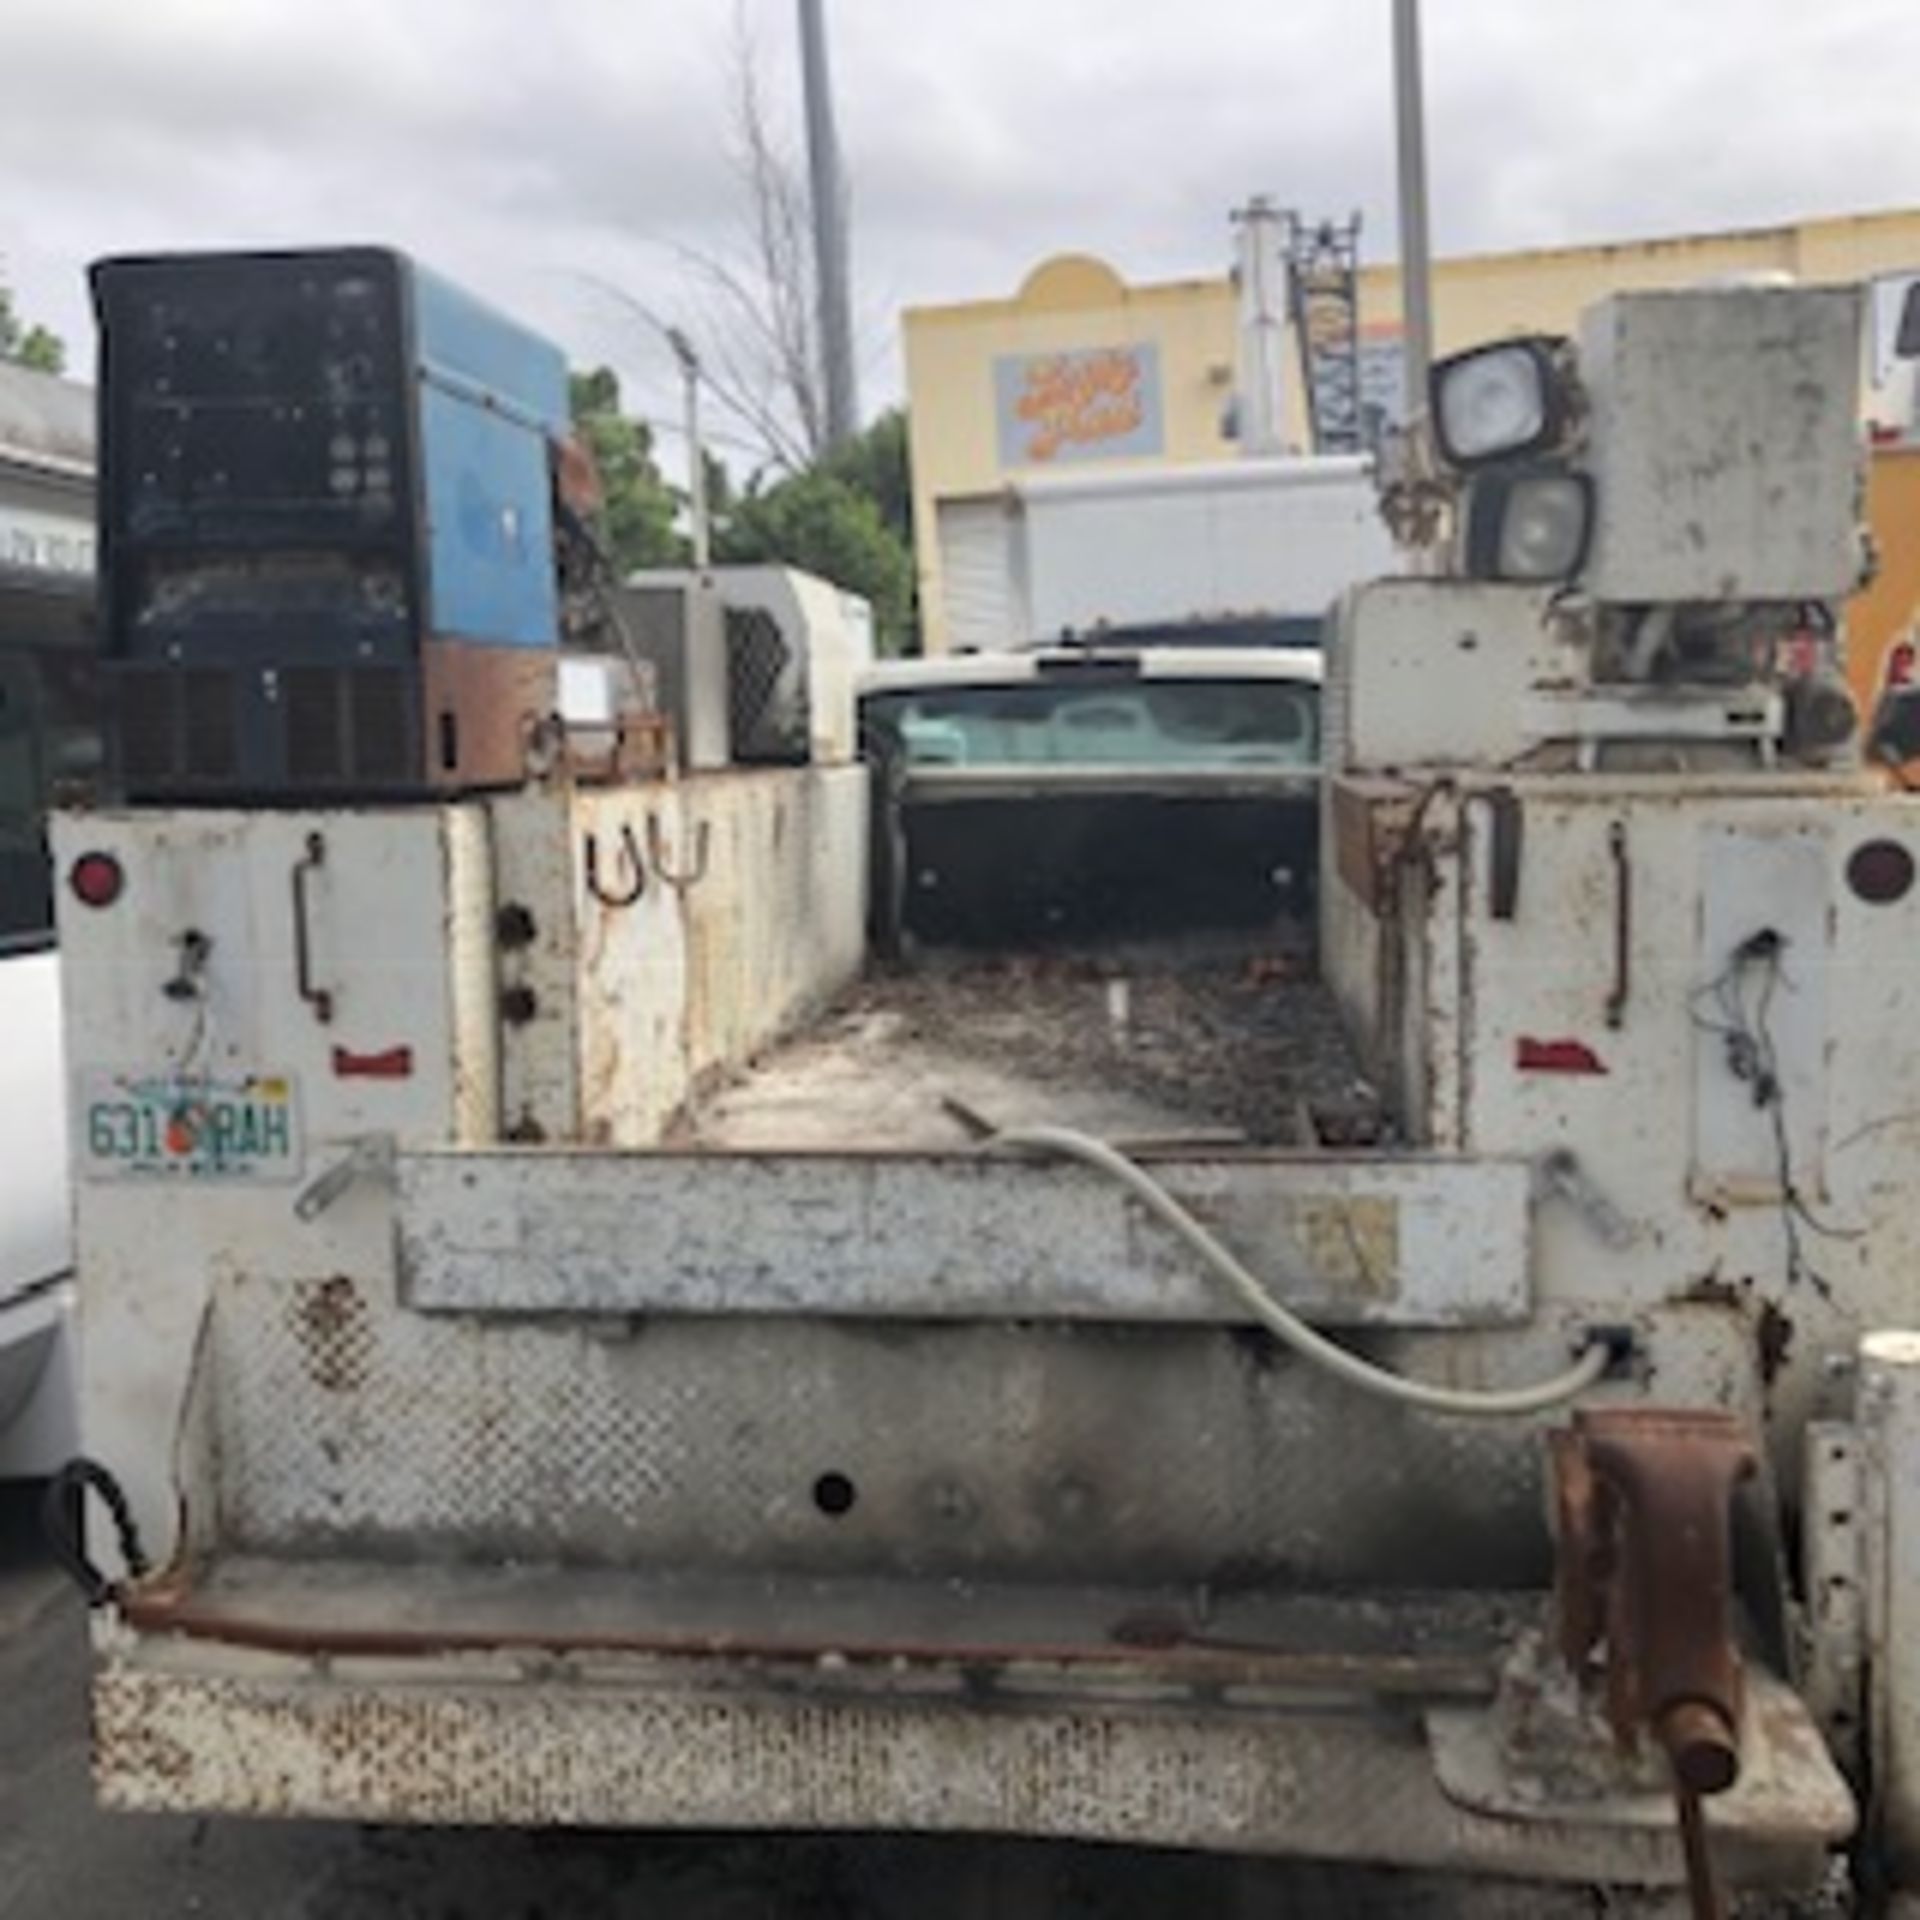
[318, 998]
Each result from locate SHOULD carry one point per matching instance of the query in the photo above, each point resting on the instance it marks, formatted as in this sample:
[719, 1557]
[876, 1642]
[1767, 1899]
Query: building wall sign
[35, 542]
[1099, 403]
[1383, 379]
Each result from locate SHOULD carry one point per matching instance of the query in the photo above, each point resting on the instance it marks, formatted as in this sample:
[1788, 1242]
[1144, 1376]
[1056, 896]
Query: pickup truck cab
[1092, 790]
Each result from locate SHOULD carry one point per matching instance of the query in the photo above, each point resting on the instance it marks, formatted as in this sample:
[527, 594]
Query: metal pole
[696, 451]
[828, 193]
[1416, 262]
[1262, 328]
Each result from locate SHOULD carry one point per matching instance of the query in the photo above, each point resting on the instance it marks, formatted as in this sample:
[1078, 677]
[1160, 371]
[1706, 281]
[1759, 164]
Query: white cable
[1304, 1340]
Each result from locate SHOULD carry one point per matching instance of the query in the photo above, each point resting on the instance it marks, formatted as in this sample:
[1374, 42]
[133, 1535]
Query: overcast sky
[530, 150]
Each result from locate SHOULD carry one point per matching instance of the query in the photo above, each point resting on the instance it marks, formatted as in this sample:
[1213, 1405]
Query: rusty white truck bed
[1228, 1045]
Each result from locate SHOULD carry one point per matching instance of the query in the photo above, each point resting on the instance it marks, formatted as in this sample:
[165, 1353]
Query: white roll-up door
[978, 584]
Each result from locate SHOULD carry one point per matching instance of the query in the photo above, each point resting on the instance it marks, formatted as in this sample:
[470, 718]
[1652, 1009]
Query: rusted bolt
[513, 927]
[518, 1005]
[1701, 1744]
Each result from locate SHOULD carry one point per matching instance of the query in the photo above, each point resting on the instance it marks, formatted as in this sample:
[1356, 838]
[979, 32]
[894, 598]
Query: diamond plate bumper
[1031, 1748]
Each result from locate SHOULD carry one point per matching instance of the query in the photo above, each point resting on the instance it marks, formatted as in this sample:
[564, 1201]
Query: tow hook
[1643, 1502]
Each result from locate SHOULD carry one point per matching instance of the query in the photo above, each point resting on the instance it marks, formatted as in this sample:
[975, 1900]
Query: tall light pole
[1416, 262]
[696, 451]
[827, 191]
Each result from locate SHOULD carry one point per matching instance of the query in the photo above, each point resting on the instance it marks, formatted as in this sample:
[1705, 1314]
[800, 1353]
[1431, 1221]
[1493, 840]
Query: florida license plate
[136, 1125]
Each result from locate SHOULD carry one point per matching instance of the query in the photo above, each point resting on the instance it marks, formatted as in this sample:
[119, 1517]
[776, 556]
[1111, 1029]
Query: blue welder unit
[327, 538]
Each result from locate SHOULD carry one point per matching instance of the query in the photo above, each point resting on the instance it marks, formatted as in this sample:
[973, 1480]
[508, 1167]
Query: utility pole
[696, 450]
[827, 191]
[1416, 263]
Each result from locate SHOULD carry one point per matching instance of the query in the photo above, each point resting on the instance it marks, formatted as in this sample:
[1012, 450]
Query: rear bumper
[600, 1739]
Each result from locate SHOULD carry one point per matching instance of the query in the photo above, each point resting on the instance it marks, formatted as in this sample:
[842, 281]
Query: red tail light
[97, 879]
[1900, 664]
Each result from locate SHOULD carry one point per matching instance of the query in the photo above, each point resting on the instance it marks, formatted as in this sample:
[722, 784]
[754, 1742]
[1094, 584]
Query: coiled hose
[1503, 1403]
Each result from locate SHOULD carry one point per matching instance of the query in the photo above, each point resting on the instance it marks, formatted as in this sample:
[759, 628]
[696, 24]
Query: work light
[1494, 403]
[1528, 523]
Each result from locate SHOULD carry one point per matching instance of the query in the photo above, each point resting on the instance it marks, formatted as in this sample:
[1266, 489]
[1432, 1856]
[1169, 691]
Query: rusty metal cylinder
[1702, 1745]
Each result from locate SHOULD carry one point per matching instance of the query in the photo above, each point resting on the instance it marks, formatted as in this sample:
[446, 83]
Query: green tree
[32, 346]
[875, 462]
[638, 517]
[817, 521]
[848, 518]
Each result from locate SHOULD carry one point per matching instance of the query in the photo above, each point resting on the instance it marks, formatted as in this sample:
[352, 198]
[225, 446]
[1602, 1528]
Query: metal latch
[370, 1158]
[1558, 1175]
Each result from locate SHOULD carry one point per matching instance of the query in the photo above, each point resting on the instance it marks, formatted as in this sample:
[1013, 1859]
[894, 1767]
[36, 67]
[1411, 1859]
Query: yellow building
[1080, 366]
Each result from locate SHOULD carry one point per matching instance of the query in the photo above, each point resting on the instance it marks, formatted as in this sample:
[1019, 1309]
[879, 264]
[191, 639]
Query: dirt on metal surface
[1241, 1045]
[60, 1853]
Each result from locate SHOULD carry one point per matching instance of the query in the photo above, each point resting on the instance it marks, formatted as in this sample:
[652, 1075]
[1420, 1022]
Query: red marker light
[97, 879]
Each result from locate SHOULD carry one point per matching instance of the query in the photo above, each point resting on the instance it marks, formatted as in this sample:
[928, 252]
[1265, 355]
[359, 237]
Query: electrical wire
[1505, 1403]
[1753, 1058]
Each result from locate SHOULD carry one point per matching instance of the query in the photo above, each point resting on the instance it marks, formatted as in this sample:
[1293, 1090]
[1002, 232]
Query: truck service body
[564, 1390]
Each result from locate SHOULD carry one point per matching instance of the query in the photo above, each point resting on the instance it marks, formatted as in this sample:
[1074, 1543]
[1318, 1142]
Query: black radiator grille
[312, 707]
[311, 729]
[381, 724]
[209, 725]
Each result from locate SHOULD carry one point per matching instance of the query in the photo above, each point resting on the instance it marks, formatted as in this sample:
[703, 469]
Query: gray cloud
[521, 149]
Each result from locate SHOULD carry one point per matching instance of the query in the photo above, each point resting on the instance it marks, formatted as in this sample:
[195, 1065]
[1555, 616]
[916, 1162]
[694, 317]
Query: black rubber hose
[64, 1520]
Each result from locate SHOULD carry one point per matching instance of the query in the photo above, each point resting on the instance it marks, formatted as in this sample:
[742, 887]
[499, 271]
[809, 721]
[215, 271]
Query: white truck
[1245, 552]
[553, 1372]
[48, 732]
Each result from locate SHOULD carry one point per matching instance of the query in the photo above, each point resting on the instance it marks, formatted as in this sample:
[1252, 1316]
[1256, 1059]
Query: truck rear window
[1142, 723]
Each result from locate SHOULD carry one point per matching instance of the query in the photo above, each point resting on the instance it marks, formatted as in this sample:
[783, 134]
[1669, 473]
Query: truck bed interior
[1202, 1042]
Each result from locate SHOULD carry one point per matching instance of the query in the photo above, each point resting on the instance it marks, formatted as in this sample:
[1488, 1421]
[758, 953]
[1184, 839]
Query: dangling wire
[1758, 967]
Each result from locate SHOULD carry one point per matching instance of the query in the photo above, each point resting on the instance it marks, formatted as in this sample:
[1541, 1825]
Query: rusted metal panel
[752, 912]
[1361, 1241]
[637, 1743]
[1089, 1637]
[1789, 1792]
[1069, 1451]
[483, 709]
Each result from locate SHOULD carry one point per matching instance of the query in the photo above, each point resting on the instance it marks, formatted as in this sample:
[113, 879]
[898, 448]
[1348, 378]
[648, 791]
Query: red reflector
[96, 879]
[396, 1063]
[1900, 664]
[1556, 1056]
[1880, 872]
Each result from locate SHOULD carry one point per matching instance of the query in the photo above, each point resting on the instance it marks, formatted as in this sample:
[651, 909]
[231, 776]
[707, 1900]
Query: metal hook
[657, 853]
[636, 885]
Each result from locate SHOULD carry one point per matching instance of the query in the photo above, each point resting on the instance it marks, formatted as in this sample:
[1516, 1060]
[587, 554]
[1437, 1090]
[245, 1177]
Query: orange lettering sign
[1076, 400]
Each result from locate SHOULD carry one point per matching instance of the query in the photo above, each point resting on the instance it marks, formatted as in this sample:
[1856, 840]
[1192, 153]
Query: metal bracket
[635, 884]
[1558, 1175]
[372, 1157]
[1643, 1501]
[657, 854]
